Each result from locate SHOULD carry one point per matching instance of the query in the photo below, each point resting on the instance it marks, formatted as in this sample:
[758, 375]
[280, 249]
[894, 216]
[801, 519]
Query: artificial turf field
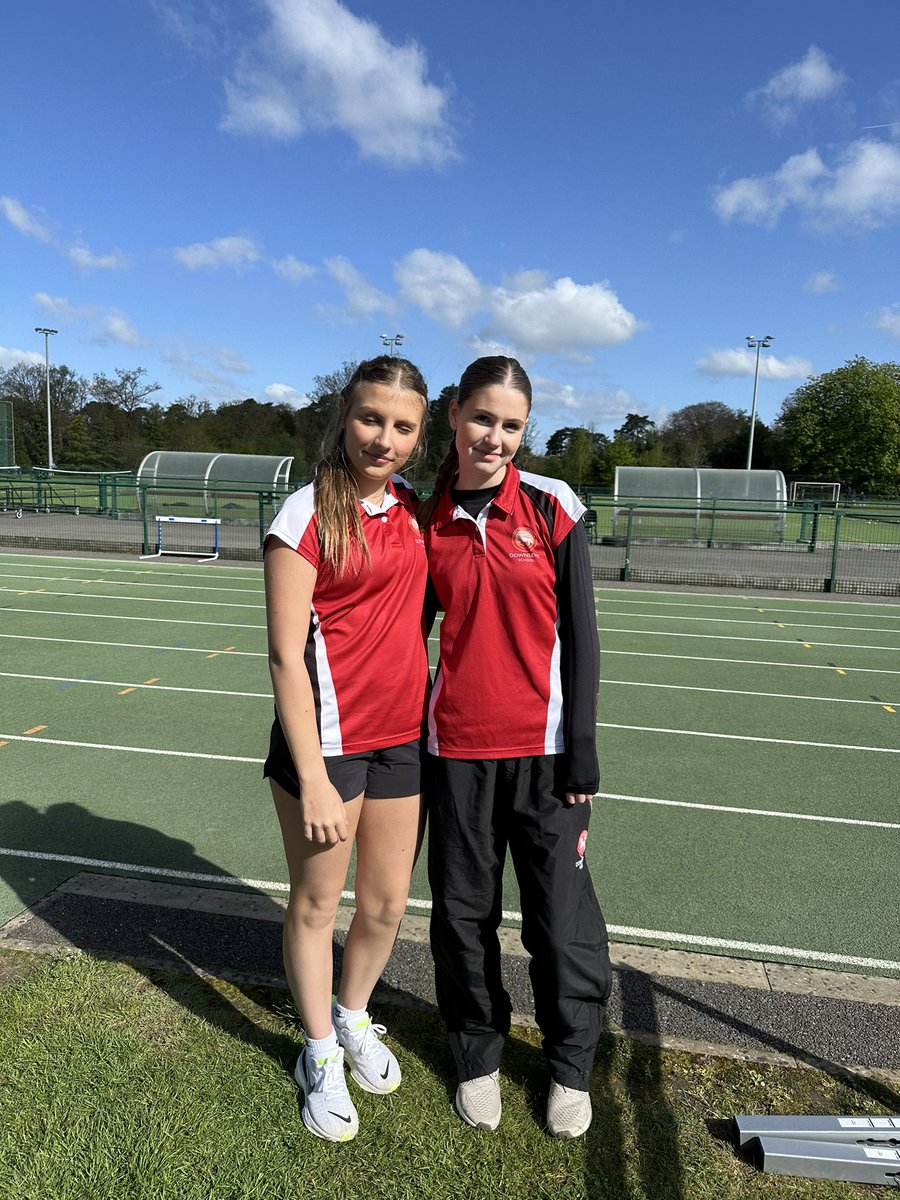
[748, 744]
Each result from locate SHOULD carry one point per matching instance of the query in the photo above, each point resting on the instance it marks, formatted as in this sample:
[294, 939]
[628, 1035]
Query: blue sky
[240, 196]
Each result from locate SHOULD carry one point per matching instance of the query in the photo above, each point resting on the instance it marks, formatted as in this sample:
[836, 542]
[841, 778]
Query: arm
[579, 663]
[290, 580]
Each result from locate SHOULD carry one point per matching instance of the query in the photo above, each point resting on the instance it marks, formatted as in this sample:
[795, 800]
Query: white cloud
[82, 256]
[233, 252]
[283, 393]
[888, 321]
[230, 360]
[101, 326]
[319, 66]
[292, 269]
[557, 401]
[822, 282]
[20, 218]
[562, 316]
[812, 78]
[361, 298]
[742, 361]
[489, 348]
[441, 285]
[862, 191]
[11, 355]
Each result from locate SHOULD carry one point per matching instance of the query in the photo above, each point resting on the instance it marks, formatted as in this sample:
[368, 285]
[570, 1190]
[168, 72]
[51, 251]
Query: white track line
[771, 607]
[141, 599]
[620, 931]
[16, 737]
[153, 687]
[725, 637]
[759, 622]
[743, 737]
[180, 587]
[763, 597]
[751, 662]
[750, 812]
[118, 564]
[52, 612]
[33, 637]
[683, 687]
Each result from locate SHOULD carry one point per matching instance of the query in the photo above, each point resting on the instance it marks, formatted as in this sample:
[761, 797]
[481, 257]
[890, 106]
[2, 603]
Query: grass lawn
[121, 1083]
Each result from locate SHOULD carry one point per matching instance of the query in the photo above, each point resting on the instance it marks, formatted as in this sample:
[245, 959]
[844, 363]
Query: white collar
[373, 510]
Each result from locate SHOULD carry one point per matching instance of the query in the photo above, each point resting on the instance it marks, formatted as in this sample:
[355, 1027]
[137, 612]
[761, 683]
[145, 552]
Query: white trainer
[478, 1101]
[372, 1065]
[568, 1111]
[328, 1111]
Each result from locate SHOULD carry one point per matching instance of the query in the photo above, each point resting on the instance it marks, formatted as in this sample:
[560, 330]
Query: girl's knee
[311, 911]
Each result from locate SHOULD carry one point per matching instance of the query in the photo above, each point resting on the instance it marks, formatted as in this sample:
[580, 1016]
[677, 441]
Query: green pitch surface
[749, 751]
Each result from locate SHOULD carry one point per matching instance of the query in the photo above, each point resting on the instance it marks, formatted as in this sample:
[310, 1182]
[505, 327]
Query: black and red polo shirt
[364, 651]
[510, 660]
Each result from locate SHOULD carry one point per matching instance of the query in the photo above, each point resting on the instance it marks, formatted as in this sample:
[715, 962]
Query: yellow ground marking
[807, 646]
[760, 610]
[887, 708]
[152, 680]
[126, 691]
[2, 744]
[215, 654]
[840, 672]
[779, 625]
[230, 648]
[23, 593]
[37, 729]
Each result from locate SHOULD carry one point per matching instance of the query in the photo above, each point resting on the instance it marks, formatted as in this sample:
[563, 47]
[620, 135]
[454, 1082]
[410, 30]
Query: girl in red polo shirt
[512, 751]
[345, 574]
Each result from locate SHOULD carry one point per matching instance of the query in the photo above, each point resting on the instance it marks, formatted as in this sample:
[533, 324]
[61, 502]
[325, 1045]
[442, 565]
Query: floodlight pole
[391, 341]
[760, 344]
[47, 332]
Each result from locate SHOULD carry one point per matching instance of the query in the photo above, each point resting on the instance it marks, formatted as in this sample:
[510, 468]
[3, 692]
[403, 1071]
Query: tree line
[842, 426]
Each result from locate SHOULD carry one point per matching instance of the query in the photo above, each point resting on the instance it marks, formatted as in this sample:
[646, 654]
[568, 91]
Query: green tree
[844, 426]
[618, 453]
[578, 459]
[438, 433]
[640, 432]
[127, 391]
[694, 435]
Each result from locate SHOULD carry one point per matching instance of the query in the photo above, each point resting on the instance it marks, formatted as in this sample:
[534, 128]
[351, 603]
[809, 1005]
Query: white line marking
[141, 599]
[110, 564]
[755, 662]
[771, 607]
[158, 687]
[51, 612]
[622, 931]
[33, 637]
[760, 622]
[683, 687]
[778, 598]
[725, 637]
[743, 737]
[180, 587]
[750, 812]
[14, 737]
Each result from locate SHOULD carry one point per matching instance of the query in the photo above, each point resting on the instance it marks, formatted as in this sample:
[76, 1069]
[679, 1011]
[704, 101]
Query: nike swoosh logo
[340, 1116]
[384, 1073]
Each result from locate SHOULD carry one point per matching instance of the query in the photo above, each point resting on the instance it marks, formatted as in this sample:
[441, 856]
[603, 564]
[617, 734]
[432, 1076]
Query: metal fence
[810, 547]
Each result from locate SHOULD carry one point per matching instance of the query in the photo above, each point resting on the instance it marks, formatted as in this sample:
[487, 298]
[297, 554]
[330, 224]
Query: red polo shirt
[364, 648]
[498, 691]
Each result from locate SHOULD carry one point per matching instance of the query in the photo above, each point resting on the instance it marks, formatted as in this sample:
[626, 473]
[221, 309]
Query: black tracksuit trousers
[475, 810]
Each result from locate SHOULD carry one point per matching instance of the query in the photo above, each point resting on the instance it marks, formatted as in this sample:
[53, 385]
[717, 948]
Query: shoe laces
[327, 1073]
[367, 1035]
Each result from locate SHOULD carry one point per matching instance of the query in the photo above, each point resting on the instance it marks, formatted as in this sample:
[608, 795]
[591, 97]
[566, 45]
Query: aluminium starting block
[853, 1149]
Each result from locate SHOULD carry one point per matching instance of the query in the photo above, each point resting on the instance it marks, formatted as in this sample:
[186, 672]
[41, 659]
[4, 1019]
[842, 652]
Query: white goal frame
[811, 492]
[162, 521]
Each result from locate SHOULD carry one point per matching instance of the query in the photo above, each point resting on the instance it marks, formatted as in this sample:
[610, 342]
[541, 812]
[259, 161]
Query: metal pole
[760, 344]
[46, 333]
[391, 341]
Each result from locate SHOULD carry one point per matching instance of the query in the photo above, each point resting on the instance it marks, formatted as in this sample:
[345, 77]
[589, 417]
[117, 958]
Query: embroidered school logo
[414, 524]
[582, 843]
[524, 539]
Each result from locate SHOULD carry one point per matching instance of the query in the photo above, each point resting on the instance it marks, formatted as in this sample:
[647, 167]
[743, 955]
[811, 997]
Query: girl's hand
[578, 798]
[324, 818]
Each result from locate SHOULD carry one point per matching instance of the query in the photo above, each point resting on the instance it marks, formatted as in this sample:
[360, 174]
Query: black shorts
[384, 774]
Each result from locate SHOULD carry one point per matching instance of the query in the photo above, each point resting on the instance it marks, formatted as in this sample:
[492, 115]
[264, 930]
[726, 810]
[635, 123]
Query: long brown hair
[341, 535]
[482, 373]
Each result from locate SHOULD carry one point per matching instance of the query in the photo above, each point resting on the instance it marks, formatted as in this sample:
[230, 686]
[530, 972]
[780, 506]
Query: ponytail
[446, 473]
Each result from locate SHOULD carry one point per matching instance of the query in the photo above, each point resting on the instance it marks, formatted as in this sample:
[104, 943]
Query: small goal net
[815, 493]
[189, 537]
